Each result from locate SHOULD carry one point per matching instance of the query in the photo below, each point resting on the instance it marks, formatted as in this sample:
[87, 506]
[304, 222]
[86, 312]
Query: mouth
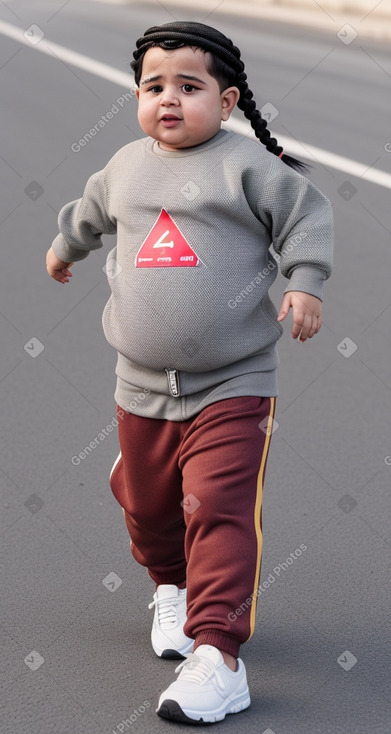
[170, 120]
[169, 116]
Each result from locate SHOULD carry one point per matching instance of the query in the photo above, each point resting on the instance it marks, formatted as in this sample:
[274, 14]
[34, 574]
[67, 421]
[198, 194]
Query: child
[196, 209]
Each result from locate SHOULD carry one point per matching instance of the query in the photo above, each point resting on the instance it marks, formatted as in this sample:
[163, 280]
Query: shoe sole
[170, 709]
[172, 655]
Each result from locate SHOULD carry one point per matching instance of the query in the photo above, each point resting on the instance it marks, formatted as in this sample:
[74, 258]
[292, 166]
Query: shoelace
[199, 670]
[166, 609]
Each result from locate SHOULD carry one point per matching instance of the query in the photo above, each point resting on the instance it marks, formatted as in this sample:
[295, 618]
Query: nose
[169, 97]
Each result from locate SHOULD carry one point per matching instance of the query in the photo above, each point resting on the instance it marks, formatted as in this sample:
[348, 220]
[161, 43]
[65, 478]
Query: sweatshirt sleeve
[300, 222]
[83, 221]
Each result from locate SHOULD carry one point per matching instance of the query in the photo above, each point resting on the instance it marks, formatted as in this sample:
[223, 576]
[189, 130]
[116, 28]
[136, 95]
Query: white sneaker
[167, 636]
[205, 690]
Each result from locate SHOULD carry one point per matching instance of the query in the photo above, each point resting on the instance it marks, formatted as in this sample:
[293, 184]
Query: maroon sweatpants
[191, 492]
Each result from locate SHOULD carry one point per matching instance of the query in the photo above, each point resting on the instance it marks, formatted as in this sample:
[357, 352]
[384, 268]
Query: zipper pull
[173, 382]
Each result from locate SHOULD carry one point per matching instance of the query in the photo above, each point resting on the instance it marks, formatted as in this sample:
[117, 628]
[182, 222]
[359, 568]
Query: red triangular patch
[165, 247]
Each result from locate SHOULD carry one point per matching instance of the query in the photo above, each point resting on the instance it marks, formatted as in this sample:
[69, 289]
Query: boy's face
[180, 104]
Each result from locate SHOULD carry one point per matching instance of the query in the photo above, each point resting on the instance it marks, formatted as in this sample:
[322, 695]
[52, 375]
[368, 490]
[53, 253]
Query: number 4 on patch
[160, 242]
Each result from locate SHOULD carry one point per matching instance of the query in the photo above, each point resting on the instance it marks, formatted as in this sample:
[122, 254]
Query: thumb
[284, 308]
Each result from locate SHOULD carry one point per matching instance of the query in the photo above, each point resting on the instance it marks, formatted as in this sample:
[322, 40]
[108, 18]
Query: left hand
[307, 314]
[57, 269]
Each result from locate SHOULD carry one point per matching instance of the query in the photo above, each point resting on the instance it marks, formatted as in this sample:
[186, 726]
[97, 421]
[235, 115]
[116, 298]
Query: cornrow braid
[226, 65]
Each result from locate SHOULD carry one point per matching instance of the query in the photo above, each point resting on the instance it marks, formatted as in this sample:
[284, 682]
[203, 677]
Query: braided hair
[225, 66]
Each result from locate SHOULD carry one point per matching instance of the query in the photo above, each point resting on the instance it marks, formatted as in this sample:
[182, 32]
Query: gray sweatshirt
[189, 313]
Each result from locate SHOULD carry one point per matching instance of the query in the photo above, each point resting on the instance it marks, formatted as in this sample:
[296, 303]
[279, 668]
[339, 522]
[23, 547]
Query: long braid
[189, 33]
[258, 123]
[247, 104]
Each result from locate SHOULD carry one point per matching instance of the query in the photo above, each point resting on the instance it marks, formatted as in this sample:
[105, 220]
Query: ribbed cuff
[308, 279]
[218, 639]
[175, 577]
[66, 252]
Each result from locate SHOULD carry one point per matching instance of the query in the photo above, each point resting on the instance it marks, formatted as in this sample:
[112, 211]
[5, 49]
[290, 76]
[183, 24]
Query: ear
[137, 93]
[229, 99]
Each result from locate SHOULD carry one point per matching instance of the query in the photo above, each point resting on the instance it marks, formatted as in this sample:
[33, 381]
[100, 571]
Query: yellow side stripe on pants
[257, 514]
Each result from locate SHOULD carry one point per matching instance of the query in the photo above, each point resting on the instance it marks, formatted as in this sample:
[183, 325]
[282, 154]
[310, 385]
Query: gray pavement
[75, 625]
[370, 18]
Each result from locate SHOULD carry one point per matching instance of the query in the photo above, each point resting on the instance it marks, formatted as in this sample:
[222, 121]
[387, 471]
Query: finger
[59, 276]
[302, 326]
[313, 327]
[64, 275]
[316, 324]
[309, 323]
[298, 325]
[284, 308]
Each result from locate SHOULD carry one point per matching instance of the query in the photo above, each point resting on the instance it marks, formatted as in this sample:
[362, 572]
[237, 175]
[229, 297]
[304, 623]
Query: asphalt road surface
[75, 627]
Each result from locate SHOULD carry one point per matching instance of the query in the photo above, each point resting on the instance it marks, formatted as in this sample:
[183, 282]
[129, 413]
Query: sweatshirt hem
[165, 407]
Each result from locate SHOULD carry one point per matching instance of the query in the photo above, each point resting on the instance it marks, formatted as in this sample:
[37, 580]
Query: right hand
[57, 269]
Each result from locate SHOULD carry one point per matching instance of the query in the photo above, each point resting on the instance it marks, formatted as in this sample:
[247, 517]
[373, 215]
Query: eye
[156, 89]
[188, 88]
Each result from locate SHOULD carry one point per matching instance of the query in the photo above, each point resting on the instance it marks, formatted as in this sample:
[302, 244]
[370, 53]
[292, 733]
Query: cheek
[200, 112]
[143, 111]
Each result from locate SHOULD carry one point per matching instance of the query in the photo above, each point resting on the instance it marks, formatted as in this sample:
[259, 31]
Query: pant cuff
[218, 639]
[176, 578]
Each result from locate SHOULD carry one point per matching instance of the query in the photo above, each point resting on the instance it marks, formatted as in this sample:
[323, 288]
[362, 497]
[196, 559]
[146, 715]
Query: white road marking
[104, 71]
[122, 79]
[319, 155]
